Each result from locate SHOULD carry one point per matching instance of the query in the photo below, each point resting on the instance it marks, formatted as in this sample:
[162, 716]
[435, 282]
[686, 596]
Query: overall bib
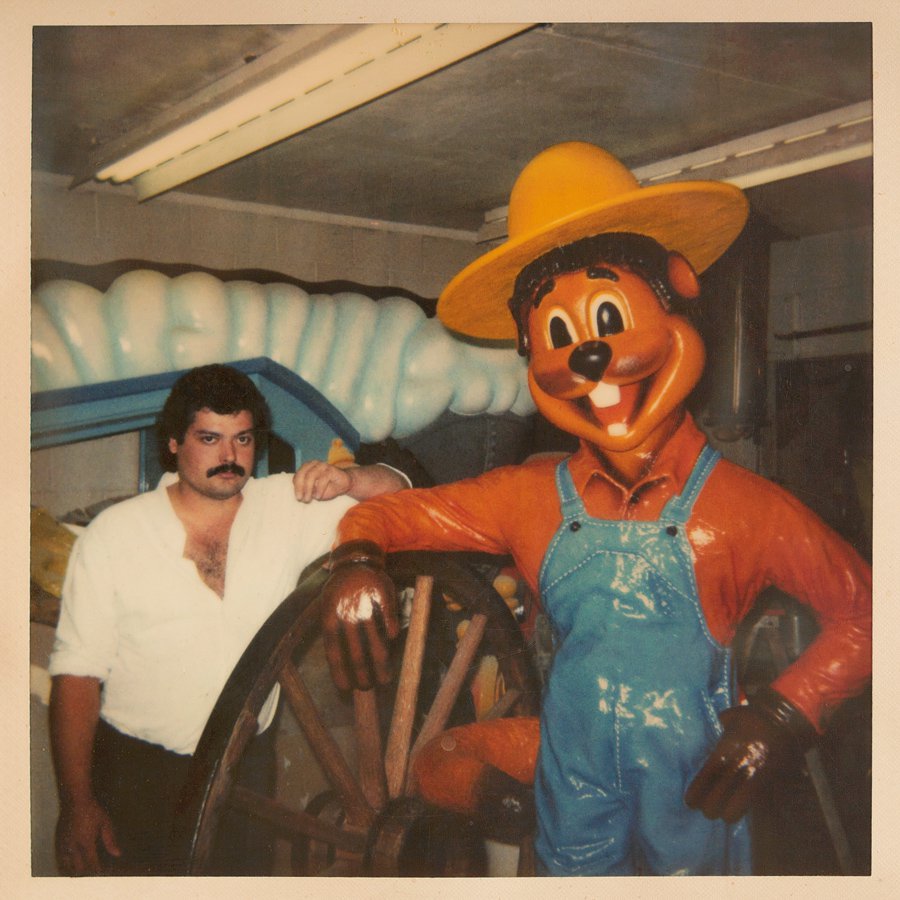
[631, 709]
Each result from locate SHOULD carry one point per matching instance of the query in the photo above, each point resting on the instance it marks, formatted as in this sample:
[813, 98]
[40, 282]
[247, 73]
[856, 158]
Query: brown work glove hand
[760, 739]
[359, 616]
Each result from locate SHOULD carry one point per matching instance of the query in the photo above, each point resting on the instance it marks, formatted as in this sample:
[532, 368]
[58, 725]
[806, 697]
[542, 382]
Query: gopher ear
[682, 277]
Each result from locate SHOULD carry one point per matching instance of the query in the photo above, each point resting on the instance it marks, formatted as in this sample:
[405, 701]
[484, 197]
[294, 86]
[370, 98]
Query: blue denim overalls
[631, 707]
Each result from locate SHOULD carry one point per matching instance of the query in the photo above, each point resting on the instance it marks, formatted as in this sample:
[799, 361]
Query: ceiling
[443, 151]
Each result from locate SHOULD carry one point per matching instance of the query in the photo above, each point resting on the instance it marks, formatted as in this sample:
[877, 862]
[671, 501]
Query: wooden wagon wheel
[368, 821]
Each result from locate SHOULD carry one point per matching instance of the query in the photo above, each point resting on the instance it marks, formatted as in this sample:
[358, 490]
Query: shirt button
[634, 499]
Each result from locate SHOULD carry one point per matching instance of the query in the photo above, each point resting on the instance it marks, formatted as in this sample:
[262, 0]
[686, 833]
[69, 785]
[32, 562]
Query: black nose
[590, 359]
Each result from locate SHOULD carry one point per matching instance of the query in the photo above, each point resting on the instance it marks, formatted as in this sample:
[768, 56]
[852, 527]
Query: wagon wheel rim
[375, 802]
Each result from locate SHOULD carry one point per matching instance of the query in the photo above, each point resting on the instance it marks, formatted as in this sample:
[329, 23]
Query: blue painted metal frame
[303, 418]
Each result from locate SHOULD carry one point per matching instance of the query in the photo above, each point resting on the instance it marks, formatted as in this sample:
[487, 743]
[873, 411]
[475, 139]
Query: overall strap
[570, 503]
[679, 508]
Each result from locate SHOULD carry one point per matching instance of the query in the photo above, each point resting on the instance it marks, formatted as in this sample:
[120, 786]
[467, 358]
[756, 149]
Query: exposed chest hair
[208, 550]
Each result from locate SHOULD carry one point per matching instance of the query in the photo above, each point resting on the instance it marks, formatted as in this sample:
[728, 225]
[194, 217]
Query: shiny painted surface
[625, 727]
[652, 359]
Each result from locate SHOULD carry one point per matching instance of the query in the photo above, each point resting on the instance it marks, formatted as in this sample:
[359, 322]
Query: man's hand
[768, 735]
[359, 616]
[318, 480]
[82, 828]
[83, 824]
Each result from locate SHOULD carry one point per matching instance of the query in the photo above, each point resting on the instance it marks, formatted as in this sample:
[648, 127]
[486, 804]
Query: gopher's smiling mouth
[613, 406]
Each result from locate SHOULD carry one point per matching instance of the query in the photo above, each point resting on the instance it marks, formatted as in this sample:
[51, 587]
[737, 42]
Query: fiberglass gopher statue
[647, 549]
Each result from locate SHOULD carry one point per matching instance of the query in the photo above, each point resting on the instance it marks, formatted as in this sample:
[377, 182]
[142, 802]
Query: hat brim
[698, 219]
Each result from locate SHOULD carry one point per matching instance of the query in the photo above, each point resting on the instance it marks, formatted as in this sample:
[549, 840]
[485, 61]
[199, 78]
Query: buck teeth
[605, 395]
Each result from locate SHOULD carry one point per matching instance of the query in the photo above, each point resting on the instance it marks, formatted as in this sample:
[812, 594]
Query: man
[647, 549]
[162, 594]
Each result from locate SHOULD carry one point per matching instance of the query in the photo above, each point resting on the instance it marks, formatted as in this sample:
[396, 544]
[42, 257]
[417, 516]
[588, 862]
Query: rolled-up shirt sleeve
[86, 636]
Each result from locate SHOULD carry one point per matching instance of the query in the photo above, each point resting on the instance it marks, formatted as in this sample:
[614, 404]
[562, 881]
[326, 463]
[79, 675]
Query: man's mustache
[226, 468]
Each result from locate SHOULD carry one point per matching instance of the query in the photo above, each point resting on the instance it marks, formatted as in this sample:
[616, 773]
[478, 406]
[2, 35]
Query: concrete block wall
[78, 475]
[820, 296]
[96, 224]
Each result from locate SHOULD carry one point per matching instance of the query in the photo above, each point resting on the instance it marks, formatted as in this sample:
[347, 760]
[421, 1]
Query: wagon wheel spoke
[292, 822]
[503, 705]
[447, 694]
[397, 755]
[367, 726]
[325, 748]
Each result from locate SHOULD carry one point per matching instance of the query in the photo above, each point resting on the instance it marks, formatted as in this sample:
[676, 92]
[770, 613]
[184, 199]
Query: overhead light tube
[368, 63]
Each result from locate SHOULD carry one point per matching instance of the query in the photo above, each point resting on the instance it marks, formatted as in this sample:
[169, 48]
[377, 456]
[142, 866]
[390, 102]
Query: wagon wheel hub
[406, 839]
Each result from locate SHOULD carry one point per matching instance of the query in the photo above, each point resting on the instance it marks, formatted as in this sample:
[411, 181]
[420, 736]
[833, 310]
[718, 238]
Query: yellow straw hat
[575, 190]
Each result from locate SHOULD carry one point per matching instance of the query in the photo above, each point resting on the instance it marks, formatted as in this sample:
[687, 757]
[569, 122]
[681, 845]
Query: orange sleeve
[772, 539]
[460, 516]
[509, 510]
[828, 575]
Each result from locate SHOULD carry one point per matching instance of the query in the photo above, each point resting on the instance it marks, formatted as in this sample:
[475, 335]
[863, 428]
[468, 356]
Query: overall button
[575, 526]
[672, 530]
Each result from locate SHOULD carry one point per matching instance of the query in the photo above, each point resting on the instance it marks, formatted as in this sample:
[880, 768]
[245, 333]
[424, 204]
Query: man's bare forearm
[74, 714]
[371, 481]
[84, 826]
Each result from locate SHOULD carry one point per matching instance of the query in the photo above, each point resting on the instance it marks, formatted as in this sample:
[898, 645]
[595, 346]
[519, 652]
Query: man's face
[216, 457]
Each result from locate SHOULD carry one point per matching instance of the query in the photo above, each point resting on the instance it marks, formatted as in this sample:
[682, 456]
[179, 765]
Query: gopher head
[611, 355]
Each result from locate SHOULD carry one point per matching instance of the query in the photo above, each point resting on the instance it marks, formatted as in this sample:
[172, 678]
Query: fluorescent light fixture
[807, 145]
[360, 64]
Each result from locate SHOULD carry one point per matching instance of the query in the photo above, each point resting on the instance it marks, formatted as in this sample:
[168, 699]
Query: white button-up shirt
[136, 614]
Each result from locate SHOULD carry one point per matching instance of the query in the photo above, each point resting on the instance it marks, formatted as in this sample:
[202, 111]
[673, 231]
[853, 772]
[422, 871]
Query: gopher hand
[359, 616]
[760, 739]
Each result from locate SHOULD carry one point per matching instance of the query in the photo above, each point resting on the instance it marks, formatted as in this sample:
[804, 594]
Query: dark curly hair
[639, 253]
[219, 388]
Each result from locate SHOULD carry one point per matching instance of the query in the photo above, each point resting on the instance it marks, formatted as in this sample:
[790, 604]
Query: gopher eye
[560, 335]
[608, 317]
